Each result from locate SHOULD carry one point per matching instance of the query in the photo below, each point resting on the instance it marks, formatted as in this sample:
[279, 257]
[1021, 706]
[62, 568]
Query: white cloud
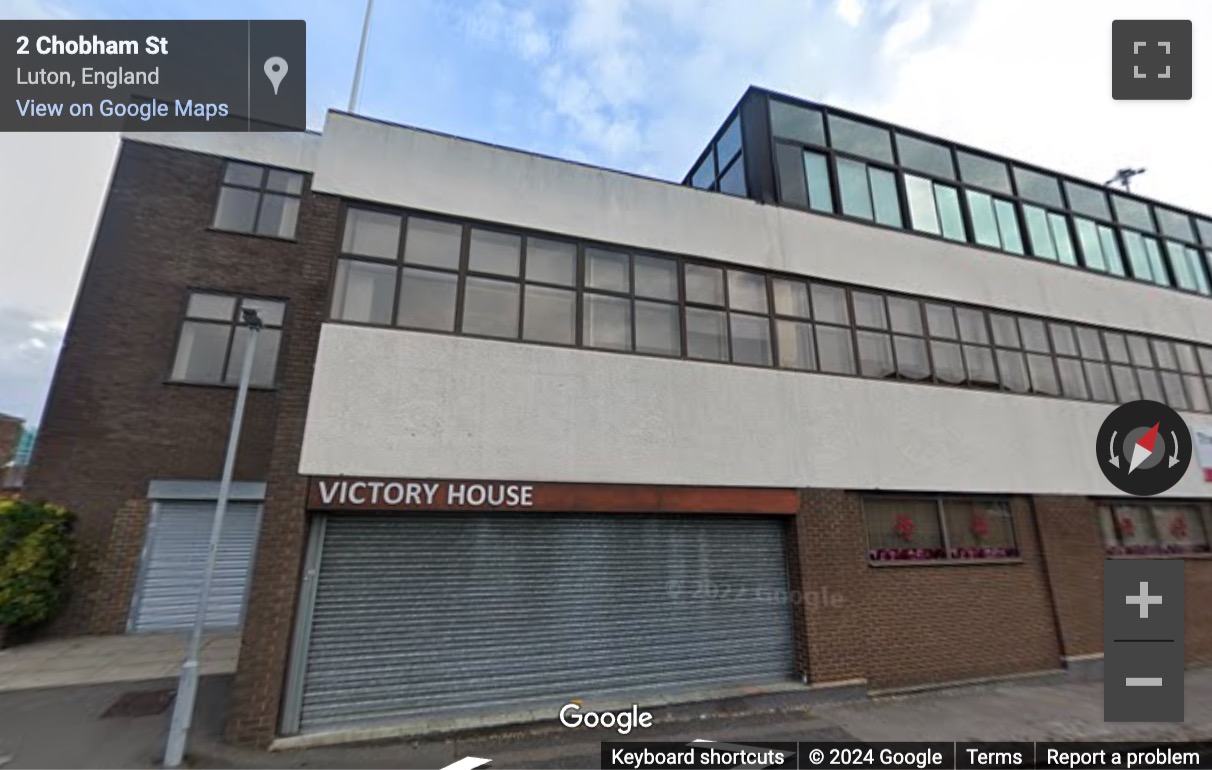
[850, 11]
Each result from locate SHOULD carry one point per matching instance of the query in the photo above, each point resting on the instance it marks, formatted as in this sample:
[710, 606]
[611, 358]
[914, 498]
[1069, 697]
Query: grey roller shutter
[424, 614]
[174, 560]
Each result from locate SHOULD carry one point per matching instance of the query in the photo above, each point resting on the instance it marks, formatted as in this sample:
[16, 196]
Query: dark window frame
[879, 557]
[262, 190]
[232, 323]
[1157, 549]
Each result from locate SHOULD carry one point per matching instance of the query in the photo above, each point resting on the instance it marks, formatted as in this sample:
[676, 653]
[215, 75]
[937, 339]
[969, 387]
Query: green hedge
[37, 548]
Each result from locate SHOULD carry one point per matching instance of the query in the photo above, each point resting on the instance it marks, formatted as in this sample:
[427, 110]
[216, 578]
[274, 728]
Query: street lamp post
[187, 685]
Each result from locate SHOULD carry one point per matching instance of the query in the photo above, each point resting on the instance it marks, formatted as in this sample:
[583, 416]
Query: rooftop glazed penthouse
[513, 393]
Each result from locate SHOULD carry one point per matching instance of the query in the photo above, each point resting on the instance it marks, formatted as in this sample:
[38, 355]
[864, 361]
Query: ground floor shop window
[938, 528]
[1159, 529]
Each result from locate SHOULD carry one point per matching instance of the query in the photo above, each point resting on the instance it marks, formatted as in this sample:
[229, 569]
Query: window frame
[232, 323]
[262, 191]
[1157, 549]
[940, 501]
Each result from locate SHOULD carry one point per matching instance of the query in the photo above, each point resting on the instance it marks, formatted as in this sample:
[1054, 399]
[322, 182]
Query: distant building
[12, 431]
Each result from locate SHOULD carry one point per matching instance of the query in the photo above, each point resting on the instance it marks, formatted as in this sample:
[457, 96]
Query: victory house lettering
[424, 494]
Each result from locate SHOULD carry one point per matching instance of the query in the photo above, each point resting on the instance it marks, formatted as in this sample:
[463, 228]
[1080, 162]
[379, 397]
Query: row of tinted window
[967, 197]
[419, 272]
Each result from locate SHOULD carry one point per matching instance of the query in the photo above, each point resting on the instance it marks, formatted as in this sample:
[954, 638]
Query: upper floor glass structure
[778, 149]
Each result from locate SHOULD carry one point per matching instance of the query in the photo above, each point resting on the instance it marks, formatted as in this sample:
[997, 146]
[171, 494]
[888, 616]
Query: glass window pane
[886, 199]
[1137, 258]
[923, 215]
[1117, 347]
[860, 138]
[790, 166]
[869, 309]
[733, 180]
[706, 334]
[1184, 354]
[948, 363]
[1132, 213]
[607, 322]
[658, 328]
[921, 155]
[1138, 348]
[1174, 224]
[981, 370]
[213, 306]
[1063, 340]
[1177, 255]
[279, 213]
[940, 320]
[1197, 269]
[1172, 386]
[875, 355]
[979, 529]
[1126, 387]
[1205, 359]
[704, 284]
[704, 176]
[1164, 351]
[1007, 225]
[1037, 187]
[265, 357]
[820, 189]
[1092, 248]
[1115, 262]
[906, 315]
[551, 261]
[1073, 383]
[747, 291]
[984, 223]
[854, 190]
[834, 349]
[1100, 381]
[1087, 200]
[269, 311]
[550, 315]
[1035, 335]
[243, 174]
[950, 216]
[1196, 395]
[609, 270]
[751, 340]
[1155, 263]
[493, 252]
[656, 277]
[911, 360]
[1005, 330]
[237, 209]
[1038, 233]
[1150, 387]
[790, 297]
[972, 325]
[983, 172]
[490, 308]
[1013, 368]
[908, 527]
[799, 123]
[796, 348]
[1061, 239]
[433, 243]
[730, 141]
[427, 299]
[1089, 344]
[1043, 375]
[364, 292]
[829, 304]
[200, 352]
[1204, 227]
[284, 181]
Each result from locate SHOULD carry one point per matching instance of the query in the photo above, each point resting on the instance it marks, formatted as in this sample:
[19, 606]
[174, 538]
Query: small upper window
[730, 142]
[1087, 200]
[1132, 213]
[1037, 187]
[860, 138]
[259, 200]
[789, 121]
[214, 334]
[983, 172]
[924, 156]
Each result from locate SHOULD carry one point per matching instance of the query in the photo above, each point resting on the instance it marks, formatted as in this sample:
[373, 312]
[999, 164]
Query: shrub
[37, 547]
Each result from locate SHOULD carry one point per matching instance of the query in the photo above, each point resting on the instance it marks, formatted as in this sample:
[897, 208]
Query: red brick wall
[907, 625]
[1197, 620]
[1073, 549]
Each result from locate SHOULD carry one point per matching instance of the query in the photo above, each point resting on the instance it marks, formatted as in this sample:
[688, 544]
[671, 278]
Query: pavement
[65, 727]
[84, 660]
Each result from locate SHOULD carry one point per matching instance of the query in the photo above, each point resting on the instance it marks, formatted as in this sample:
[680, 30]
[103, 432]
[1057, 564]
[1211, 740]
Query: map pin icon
[275, 70]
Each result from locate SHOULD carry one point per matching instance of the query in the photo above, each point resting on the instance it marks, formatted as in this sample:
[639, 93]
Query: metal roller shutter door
[175, 558]
[432, 613]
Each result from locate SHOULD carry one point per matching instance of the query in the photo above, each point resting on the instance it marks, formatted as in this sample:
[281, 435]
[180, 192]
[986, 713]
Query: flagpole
[357, 80]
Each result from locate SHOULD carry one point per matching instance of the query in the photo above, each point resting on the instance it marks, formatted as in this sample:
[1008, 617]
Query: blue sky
[636, 85]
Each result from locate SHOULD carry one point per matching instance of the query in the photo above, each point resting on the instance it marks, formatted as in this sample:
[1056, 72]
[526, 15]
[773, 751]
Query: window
[1038, 188]
[492, 294]
[834, 344]
[993, 222]
[860, 138]
[1099, 249]
[926, 157]
[1154, 529]
[944, 344]
[732, 181]
[1087, 200]
[1132, 213]
[1048, 233]
[938, 528]
[1188, 367]
[1145, 259]
[1204, 227]
[868, 192]
[549, 297]
[258, 200]
[706, 324]
[983, 172]
[803, 178]
[1174, 224]
[748, 319]
[214, 336]
[934, 208]
[729, 145]
[703, 177]
[1187, 267]
[788, 121]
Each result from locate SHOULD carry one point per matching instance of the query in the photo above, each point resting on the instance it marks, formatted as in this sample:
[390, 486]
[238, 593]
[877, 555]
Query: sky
[640, 86]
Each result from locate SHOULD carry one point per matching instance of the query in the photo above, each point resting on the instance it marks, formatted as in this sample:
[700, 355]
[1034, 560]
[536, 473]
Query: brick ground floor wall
[904, 625]
[1197, 620]
[118, 572]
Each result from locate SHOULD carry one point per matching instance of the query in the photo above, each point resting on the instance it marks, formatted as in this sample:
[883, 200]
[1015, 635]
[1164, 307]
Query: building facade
[524, 430]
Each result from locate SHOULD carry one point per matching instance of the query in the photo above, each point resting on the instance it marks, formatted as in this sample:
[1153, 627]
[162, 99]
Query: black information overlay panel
[153, 75]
